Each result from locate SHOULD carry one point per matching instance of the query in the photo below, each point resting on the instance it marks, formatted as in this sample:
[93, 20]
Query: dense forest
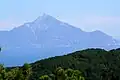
[16, 73]
[89, 64]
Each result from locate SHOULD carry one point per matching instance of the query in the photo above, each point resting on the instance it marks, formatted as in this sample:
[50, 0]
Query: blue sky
[88, 15]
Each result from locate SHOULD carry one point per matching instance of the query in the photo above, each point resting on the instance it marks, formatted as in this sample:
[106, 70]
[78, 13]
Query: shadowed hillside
[96, 64]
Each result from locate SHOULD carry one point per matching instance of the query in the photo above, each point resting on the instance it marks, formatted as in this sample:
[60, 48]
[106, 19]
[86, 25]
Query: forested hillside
[95, 64]
[90, 64]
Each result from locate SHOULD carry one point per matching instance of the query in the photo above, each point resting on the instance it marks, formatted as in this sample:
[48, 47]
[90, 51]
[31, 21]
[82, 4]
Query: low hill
[95, 64]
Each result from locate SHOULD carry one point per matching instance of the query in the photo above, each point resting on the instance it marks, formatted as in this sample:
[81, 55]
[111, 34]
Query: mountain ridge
[47, 36]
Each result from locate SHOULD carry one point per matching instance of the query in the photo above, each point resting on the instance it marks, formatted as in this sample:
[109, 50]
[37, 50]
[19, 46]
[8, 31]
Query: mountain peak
[43, 16]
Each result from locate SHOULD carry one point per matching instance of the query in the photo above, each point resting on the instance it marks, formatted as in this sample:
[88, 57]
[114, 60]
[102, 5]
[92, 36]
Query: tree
[74, 75]
[45, 77]
[2, 72]
[61, 74]
[15, 73]
[0, 49]
[26, 71]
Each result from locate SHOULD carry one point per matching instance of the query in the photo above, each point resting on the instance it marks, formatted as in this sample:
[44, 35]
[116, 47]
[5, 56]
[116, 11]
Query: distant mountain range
[47, 36]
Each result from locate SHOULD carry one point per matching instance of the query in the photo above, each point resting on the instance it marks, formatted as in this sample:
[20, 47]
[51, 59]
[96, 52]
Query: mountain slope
[94, 63]
[45, 37]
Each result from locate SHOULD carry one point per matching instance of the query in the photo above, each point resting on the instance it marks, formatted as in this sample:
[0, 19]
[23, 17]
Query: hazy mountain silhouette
[47, 36]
